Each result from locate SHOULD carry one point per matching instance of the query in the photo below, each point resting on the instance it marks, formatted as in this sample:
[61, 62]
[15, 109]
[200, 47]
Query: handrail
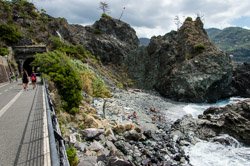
[57, 148]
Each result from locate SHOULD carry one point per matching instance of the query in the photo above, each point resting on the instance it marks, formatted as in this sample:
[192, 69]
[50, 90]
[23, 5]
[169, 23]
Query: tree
[122, 12]
[201, 15]
[104, 7]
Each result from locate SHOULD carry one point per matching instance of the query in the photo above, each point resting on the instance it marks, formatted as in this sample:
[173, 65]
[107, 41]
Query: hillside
[233, 40]
[144, 41]
[99, 76]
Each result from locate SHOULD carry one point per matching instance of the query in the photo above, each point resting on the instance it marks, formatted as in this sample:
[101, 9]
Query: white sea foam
[215, 154]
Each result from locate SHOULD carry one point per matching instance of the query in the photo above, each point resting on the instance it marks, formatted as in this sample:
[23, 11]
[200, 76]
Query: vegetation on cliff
[60, 70]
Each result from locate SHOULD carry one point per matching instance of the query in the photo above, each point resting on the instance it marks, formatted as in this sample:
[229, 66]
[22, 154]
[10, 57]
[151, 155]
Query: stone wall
[4, 70]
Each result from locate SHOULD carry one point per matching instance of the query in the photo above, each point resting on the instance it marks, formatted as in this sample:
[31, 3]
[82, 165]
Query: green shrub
[72, 156]
[9, 33]
[74, 110]
[104, 15]
[76, 51]
[4, 51]
[97, 32]
[92, 84]
[65, 76]
[199, 48]
[189, 19]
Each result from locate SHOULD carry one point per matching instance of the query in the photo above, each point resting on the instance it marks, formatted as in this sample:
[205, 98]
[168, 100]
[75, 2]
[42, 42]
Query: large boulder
[187, 66]
[241, 80]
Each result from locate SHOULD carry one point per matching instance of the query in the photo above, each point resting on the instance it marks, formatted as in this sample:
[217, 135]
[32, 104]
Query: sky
[152, 17]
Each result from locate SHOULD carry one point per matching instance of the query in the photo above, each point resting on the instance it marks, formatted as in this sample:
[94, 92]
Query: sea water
[210, 153]
[206, 153]
[197, 109]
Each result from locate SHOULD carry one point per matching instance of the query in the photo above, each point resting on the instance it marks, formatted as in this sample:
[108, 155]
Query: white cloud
[150, 17]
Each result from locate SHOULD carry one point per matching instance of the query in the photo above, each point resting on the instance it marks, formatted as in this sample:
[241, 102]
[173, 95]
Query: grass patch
[72, 156]
[92, 84]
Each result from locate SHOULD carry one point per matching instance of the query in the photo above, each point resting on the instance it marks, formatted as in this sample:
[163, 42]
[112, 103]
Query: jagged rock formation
[233, 120]
[186, 66]
[110, 39]
[241, 80]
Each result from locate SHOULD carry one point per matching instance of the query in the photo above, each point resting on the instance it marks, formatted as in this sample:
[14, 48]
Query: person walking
[25, 79]
[10, 77]
[33, 79]
[16, 76]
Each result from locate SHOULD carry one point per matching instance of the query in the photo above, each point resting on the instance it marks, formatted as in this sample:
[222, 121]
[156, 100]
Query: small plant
[189, 19]
[4, 51]
[199, 48]
[72, 156]
[97, 32]
[104, 15]
[74, 111]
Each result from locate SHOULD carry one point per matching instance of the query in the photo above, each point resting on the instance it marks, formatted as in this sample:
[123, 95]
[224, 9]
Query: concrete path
[23, 126]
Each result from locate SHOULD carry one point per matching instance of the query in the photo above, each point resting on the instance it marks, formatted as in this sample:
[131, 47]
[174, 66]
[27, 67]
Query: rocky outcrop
[186, 66]
[233, 120]
[110, 39]
[241, 80]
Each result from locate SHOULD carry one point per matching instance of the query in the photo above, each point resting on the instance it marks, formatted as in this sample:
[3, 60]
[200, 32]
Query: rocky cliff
[186, 66]
[110, 39]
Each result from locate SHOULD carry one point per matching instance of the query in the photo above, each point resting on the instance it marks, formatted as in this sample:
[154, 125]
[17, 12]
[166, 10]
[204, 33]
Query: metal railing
[57, 148]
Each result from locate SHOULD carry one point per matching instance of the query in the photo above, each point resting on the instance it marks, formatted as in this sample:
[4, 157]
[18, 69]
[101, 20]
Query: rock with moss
[184, 65]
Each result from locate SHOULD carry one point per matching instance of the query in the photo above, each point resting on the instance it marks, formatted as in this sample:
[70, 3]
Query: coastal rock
[194, 69]
[233, 119]
[241, 80]
[183, 65]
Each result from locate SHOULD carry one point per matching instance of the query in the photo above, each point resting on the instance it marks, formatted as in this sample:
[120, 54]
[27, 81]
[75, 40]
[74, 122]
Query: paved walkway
[23, 126]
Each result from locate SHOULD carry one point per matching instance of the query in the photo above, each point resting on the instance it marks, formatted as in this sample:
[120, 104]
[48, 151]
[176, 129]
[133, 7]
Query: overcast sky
[152, 17]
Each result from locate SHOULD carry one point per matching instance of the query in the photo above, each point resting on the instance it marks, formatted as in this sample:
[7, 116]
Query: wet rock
[226, 140]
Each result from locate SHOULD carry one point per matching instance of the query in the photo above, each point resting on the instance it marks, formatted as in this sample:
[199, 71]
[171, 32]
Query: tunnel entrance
[27, 65]
[24, 56]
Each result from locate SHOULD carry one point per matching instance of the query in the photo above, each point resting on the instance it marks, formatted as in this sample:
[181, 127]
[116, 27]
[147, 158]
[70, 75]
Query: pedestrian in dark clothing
[25, 79]
[16, 75]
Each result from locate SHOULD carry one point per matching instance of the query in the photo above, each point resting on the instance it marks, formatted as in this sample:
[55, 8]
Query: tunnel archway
[28, 67]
